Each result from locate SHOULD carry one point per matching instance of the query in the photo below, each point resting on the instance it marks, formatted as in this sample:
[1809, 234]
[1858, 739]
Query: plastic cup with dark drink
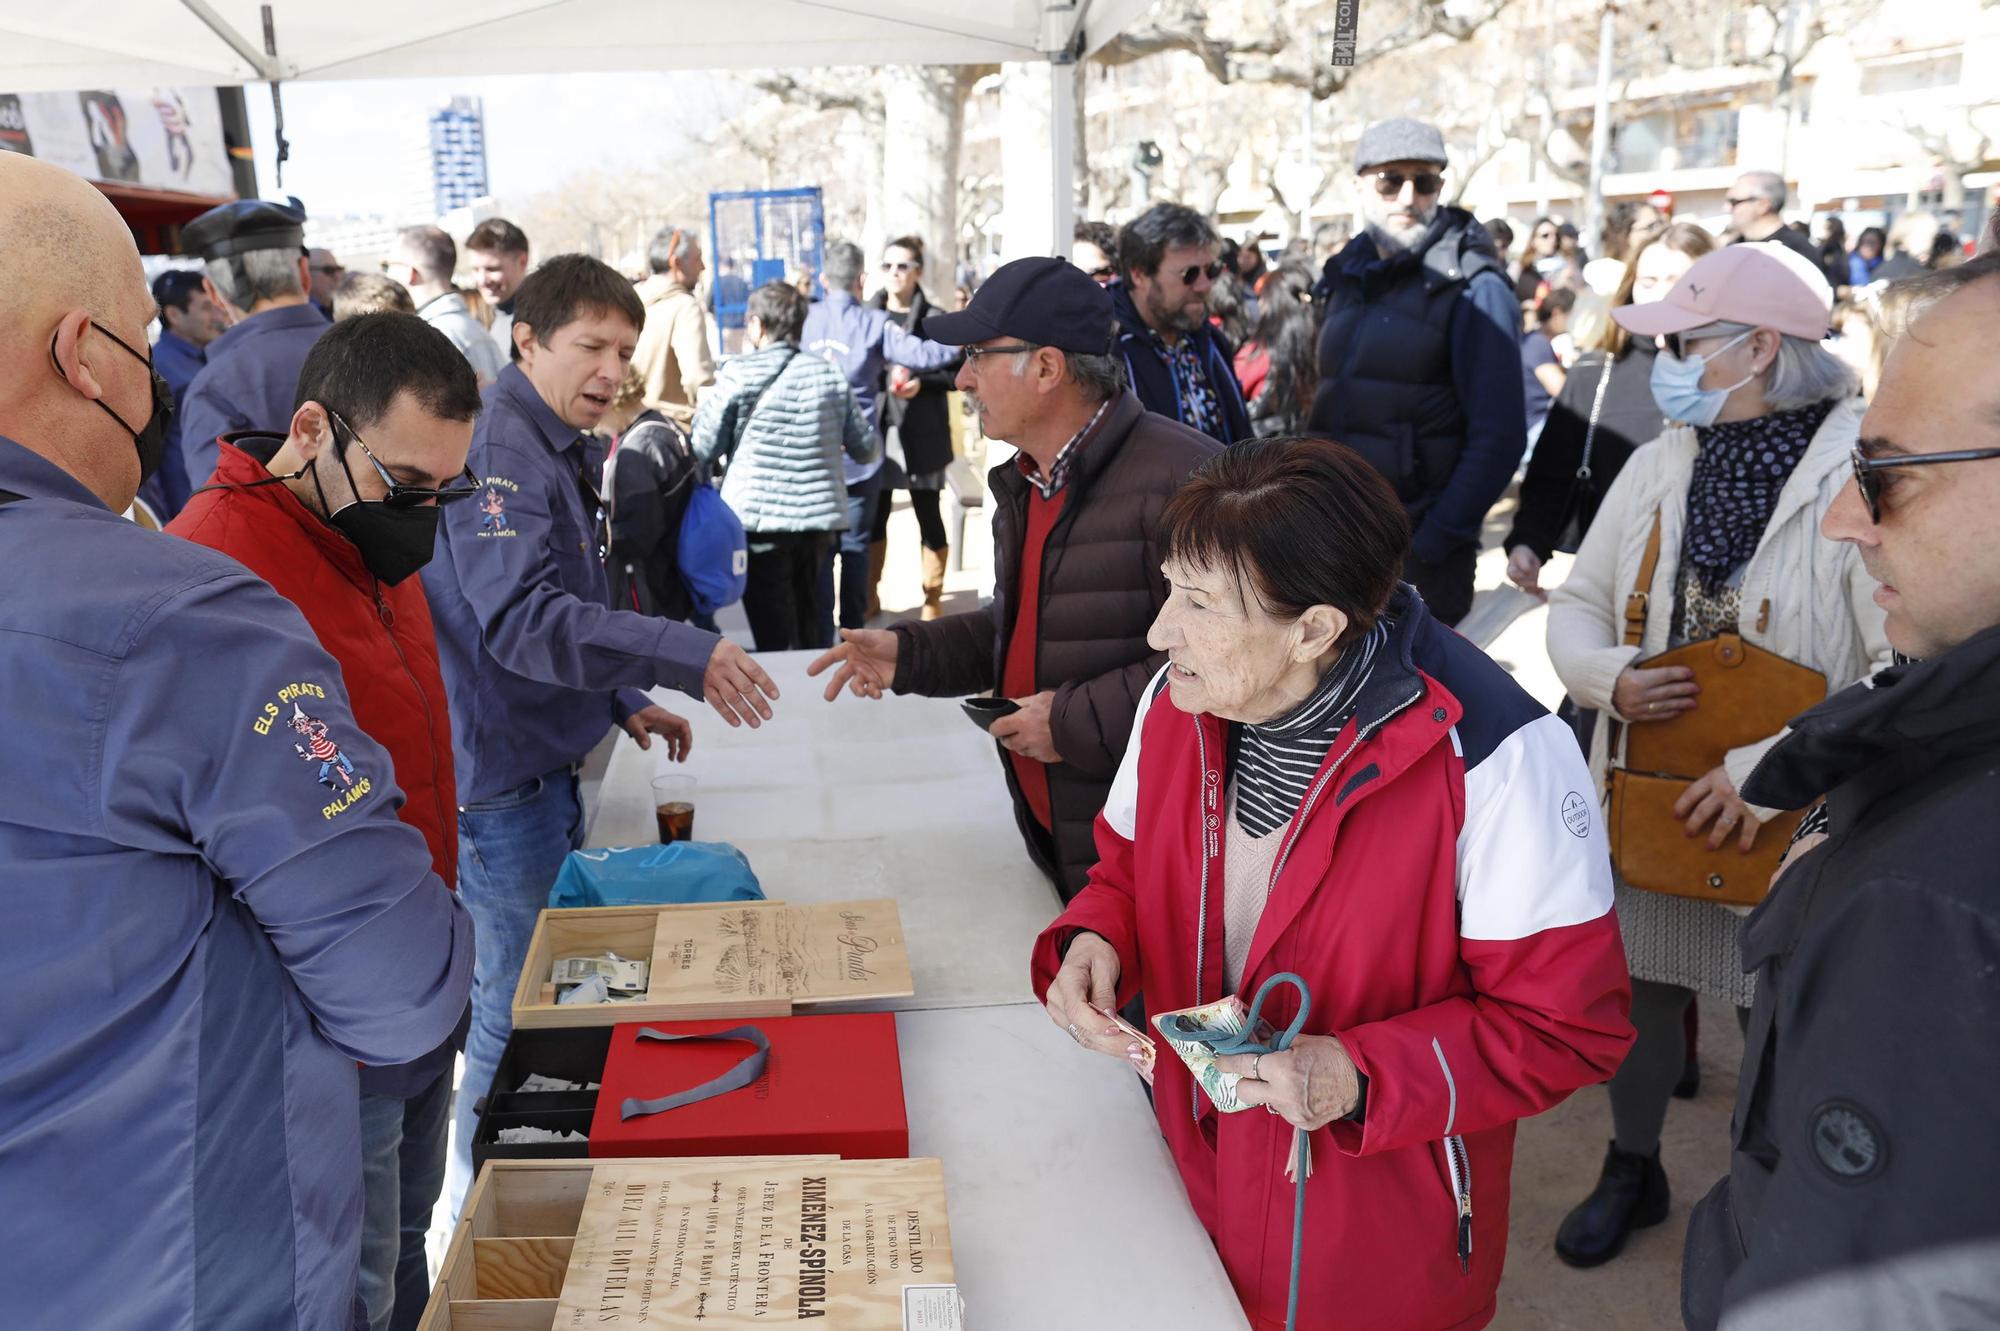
[673, 806]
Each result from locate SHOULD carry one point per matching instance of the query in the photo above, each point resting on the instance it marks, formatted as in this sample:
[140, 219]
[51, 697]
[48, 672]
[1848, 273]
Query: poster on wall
[159, 138]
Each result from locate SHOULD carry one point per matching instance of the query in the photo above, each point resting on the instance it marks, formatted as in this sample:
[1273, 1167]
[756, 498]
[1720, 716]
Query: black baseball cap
[1048, 301]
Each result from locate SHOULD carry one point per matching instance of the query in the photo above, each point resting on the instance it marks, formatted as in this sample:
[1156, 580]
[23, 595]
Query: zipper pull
[382, 609]
[1464, 1237]
[1764, 615]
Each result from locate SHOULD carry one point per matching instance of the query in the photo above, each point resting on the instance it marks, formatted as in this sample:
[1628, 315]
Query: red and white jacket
[1445, 891]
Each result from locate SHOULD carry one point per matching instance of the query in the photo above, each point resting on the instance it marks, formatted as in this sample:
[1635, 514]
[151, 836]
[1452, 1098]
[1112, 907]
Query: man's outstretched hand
[736, 686]
[867, 661]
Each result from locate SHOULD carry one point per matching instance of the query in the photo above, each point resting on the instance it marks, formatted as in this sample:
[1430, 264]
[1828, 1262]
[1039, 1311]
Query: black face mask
[394, 542]
[151, 438]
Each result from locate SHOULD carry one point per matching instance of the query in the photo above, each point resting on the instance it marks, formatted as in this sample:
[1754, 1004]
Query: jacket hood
[1939, 710]
[1455, 248]
[660, 286]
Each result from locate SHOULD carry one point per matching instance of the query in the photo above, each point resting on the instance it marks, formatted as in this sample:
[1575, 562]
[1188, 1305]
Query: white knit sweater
[1805, 598]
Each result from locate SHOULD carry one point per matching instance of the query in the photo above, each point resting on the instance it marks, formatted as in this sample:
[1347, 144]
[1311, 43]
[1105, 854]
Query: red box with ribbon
[827, 1085]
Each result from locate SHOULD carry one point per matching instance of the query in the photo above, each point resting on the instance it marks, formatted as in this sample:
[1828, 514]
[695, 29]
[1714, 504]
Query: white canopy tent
[80, 44]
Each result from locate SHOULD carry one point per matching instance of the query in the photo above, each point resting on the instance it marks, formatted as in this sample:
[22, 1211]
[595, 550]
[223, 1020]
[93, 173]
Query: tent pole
[1062, 150]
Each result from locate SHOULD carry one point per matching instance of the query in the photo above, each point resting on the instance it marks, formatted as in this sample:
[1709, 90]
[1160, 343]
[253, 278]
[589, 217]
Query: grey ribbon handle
[745, 1072]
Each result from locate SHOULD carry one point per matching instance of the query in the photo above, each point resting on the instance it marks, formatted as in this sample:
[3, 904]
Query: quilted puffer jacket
[783, 445]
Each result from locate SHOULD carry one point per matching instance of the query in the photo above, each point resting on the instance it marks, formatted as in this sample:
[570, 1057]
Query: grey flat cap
[1399, 140]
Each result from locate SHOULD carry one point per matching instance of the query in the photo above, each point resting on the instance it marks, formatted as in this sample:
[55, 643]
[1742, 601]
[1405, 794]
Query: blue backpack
[713, 552]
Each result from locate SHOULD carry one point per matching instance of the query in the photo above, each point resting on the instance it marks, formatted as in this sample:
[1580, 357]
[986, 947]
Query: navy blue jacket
[209, 911]
[1153, 380]
[534, 657]
[861, 341]
[178, 361]
[1420, 372]
[251, 382]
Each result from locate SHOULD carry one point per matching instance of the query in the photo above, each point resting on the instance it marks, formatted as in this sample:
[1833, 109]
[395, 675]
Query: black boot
[1630, 1194]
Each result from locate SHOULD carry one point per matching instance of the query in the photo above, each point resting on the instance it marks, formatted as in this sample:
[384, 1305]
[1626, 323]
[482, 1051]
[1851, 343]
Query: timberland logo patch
[1576, 814]
[1847, 1142]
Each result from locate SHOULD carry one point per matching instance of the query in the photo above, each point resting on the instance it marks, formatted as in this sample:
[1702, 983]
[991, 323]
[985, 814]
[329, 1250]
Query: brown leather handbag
[1747, 694]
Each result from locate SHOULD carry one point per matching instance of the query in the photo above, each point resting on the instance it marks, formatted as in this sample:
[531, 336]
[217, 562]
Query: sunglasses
[1677, 344]
[330, 269]
[1192, 273]
[409, 496]
[1733, 201]
[1867, 469]
[1388, 184]
[1106, 273]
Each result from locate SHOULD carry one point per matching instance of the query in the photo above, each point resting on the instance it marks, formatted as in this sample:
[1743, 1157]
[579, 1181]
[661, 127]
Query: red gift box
[833, 1086]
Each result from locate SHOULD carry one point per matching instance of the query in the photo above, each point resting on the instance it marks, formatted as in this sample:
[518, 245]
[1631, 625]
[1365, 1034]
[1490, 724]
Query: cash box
[832, 1085]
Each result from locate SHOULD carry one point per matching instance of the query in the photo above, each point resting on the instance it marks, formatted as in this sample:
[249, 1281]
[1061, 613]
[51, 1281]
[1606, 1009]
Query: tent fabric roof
[104, 43]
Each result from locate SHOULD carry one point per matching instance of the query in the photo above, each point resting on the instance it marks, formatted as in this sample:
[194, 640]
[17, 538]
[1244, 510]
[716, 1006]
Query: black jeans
[1446, 585]
[779, 596]
[928, 505]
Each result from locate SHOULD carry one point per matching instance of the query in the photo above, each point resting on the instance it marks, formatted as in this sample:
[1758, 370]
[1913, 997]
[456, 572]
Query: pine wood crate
[505, 1266]
[714, 960]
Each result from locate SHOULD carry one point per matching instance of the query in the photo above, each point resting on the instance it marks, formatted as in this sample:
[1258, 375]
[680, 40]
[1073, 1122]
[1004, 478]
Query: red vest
[381, 636]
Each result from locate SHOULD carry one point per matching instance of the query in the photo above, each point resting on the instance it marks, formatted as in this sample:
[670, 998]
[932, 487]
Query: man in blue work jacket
[201, 935]
[189, 321]
[537, 664]
[861, 341]
[258, 277]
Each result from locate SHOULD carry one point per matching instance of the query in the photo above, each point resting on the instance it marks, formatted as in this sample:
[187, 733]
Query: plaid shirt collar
[1058, 475]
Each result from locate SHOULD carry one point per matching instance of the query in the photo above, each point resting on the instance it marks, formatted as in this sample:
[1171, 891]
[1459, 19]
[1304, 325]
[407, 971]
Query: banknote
[620, 976]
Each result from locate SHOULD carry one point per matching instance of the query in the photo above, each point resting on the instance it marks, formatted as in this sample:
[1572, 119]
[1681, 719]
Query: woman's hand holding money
[1083, 991]
[1309, 1085]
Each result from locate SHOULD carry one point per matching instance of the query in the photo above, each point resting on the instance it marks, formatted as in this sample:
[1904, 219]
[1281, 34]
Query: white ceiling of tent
[77, 44]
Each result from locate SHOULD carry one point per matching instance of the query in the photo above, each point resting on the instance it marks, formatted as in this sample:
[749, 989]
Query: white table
[854, 799]
[1057, 1178]
[1065, 1207]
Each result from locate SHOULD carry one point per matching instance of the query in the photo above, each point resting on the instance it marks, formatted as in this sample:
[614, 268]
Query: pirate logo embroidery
[493, 513]
[335, 771]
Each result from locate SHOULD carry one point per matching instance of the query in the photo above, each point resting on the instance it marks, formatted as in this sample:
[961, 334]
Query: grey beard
[1390, 241]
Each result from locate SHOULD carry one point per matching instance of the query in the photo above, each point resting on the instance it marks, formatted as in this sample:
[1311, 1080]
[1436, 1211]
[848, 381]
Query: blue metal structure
[764, 235]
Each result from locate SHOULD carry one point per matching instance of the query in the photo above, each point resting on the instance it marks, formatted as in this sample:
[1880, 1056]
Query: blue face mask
[1677, 386]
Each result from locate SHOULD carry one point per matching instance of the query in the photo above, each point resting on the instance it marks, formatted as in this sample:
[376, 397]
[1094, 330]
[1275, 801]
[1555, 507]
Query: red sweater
[381, 636]
[1017, 676]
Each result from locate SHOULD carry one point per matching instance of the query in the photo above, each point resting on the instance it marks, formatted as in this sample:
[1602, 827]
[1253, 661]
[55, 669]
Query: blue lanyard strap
[1245, 1042]
[745, 1072]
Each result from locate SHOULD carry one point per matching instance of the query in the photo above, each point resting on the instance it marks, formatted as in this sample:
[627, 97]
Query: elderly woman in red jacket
[1324, 780]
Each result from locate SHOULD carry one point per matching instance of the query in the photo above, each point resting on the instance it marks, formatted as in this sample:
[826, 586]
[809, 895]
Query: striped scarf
[1276, 762]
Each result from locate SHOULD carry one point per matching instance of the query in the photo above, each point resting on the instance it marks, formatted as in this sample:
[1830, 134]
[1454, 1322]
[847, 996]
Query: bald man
[210, 909]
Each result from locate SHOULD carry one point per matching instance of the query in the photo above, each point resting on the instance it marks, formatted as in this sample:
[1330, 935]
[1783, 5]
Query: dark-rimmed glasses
[1389, 184]
[409, 496]
[888, 267]
[972, 354]
[1870, 485]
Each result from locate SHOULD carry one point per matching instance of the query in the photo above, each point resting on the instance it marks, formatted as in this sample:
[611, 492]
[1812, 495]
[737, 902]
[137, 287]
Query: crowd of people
[437, 533]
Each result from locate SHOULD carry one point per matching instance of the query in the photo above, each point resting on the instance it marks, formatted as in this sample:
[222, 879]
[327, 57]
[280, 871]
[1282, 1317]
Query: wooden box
[729, 959]
[510, 1252]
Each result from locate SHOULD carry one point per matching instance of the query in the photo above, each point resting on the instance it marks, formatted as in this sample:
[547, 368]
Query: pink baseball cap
[1763, 285]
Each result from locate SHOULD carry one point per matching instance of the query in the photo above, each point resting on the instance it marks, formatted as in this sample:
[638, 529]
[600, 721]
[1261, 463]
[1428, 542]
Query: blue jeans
[861, 502]
[510, 849]
[402, 1172]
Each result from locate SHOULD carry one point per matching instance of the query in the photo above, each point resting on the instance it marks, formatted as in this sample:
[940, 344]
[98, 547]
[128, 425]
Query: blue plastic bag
[675, 874]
